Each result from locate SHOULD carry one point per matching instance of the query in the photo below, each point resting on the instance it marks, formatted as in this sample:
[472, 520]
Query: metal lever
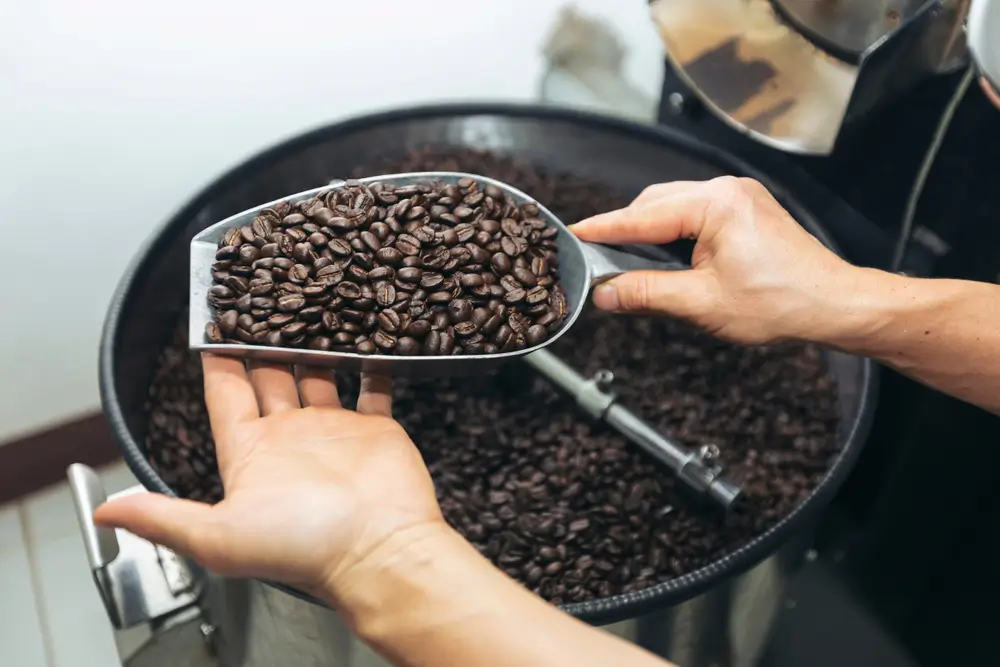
[693, 468]
[140, 583]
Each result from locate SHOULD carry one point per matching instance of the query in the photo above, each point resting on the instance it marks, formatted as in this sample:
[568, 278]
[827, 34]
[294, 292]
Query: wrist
[856, 309]
[415, 577]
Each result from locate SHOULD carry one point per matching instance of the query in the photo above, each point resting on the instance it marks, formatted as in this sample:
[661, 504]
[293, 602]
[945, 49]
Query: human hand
[314, 493]
[757, 276]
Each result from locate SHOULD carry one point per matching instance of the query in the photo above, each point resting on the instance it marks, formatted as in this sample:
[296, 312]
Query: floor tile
[21, 634]
[76, 623]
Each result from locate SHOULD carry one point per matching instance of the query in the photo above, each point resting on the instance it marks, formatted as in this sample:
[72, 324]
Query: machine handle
[88, 492]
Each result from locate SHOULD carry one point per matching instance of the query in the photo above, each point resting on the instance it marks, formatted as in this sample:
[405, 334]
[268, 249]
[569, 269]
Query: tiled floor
[50, 614]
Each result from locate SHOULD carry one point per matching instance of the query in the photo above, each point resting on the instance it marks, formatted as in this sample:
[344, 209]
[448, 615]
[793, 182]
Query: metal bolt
[677, 103]
[708, 453]
[208, 635]
[603, 379]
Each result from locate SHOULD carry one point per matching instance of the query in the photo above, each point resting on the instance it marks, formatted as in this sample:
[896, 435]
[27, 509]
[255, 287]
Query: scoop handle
[607, 262]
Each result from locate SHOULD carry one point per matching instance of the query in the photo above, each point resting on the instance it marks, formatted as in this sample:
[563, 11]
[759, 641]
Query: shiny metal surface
[727, 626]
[761, 65]
[581, 265]
[983, 30]
[850, 26]
[692, 469]
[142, 585]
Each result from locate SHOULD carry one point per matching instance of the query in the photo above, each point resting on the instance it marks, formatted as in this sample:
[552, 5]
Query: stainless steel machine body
[167, 611]
[793, 74]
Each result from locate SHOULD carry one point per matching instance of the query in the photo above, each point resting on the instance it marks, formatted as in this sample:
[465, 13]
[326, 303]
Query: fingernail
[606, 297]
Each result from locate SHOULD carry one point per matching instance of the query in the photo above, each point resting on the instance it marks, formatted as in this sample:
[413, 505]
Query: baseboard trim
[41, 458]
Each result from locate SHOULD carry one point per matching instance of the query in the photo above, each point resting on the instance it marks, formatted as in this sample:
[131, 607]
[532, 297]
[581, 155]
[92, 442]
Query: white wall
[113, 112]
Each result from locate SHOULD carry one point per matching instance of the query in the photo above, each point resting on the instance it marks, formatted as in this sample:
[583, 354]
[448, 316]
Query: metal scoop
[581, 266]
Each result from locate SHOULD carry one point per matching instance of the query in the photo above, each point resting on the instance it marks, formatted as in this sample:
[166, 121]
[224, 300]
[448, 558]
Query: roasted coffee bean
[509, 283]
[278, 320]
[293, 330]
[471, 280]
[261, 286]
[389, 321]
[459, 310]
[227, 322]
[331, 321]
[220, 292]
[439, 298]
[311, 314]
[290, 303]
[381, 273]
[262, 302]
[525, 277]
[386, 295]
[384, 341]
[348, 290]
[248, 253]
[407, 347]
[503, 335]
[536, 334]
[537, 295]
[447, 344]
[237, 284]
[352, 314]
[431, 280]
[501, 263]
[465, 329]
[298, 274]
[356, 274]
[243, 304]
[418, 328]
[514, 297]
[410, 274]
[213, 333]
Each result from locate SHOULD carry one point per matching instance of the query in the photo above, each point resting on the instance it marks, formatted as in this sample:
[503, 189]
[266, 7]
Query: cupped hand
[313, 491]
[757, 276]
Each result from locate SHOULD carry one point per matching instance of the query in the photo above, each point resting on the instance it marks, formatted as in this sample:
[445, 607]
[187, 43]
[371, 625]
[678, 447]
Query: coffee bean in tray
[422, 269]
[562, 503]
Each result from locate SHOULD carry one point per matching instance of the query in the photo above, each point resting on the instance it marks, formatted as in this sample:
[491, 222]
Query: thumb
[179, 525]
[681, 294]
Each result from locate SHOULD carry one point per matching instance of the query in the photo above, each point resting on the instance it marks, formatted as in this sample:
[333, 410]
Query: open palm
[311, 489]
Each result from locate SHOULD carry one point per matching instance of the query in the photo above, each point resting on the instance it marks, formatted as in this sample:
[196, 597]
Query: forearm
[439, 602]
[944, 333]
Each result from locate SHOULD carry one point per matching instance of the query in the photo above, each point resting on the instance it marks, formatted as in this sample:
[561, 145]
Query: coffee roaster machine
[865, 118]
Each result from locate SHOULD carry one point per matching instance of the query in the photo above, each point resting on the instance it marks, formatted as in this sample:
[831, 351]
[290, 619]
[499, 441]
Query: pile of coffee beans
[421, 269]
[564, 504]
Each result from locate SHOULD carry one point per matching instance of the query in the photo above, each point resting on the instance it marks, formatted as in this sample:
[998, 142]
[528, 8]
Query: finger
[376, 395]
[179, 525]
[275, 387]
[678, 215]
[659, 190]
[317, 388]
[683, 294]
[228, 395]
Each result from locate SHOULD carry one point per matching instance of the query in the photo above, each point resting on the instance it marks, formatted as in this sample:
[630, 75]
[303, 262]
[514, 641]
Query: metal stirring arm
[693, 468]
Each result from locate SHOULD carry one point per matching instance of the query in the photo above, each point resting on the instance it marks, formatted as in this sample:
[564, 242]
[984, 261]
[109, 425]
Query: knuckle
[636, 296]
